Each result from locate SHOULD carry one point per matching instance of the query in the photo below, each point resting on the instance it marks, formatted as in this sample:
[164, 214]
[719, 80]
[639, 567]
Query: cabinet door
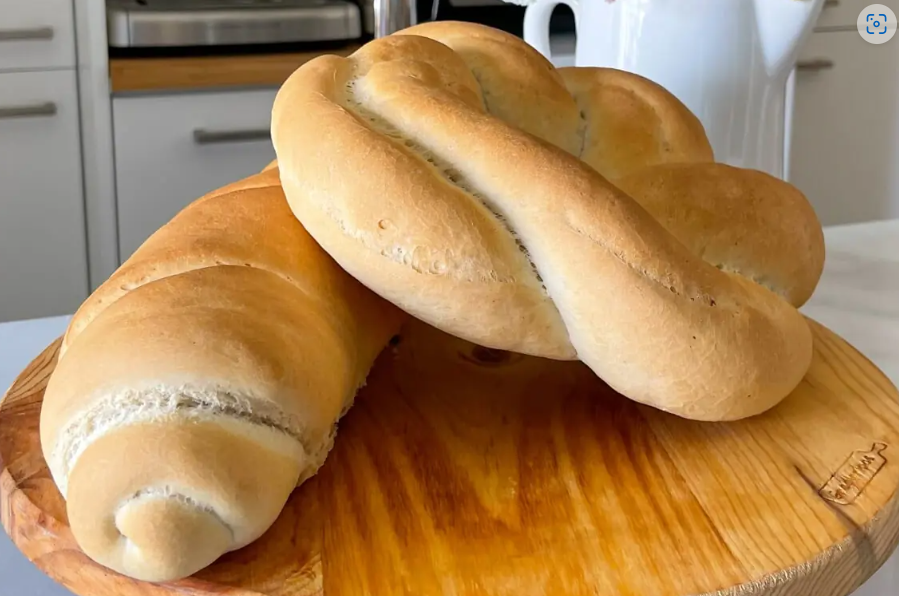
[37, 34]
[43, 252]
[172, 149]
[845, 144]
[843, 13]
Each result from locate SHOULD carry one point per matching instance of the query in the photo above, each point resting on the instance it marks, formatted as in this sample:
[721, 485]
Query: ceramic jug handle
[536, 23]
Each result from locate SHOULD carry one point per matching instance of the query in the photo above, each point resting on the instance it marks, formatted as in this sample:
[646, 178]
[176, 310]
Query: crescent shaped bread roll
[474, 215]
[202, 383]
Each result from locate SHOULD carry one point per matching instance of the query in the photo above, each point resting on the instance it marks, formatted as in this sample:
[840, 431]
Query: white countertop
[858, 298]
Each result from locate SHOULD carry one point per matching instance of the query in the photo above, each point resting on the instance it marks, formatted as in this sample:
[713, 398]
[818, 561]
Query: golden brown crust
[632, 122]
[745, 221]
[202, 382]
[516, 82]
[240, 481]
[202, 235]
[480, 212]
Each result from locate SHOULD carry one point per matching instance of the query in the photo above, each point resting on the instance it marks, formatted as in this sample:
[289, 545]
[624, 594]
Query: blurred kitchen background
[115, 114]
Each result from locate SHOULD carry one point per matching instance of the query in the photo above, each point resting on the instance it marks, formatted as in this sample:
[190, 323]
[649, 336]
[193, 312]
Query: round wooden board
[463, 472]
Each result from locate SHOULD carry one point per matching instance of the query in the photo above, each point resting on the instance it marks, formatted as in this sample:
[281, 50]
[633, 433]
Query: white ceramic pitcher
[727, 60]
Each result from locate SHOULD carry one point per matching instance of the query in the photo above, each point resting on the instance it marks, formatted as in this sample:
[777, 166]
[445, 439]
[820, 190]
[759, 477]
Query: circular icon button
[877, 24]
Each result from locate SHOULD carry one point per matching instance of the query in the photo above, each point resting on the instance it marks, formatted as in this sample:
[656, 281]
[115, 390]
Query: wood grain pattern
[461, 471]
[152, 74]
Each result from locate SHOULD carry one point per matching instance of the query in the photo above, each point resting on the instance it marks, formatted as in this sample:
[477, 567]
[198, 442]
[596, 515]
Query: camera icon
[878, 22]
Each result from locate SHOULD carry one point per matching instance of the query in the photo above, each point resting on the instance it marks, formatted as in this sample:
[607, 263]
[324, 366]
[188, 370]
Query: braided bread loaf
[201, 383]
[570, 214]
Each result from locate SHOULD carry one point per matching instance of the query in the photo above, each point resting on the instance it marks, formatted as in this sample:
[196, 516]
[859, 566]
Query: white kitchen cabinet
[172, 149]
[844, 13]
[43, 253]
[845, 130]
[36, 34]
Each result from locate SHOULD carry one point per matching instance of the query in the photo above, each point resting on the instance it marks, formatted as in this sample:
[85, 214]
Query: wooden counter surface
[181, 73]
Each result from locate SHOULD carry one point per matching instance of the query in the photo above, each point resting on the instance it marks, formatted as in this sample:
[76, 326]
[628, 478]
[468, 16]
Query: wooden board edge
[806, 579]
[9, 491]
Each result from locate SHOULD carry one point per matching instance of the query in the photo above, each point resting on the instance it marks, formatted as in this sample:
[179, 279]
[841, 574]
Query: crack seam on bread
[583, 130]
[704, 299]
[129, 407]
[443, 169]
[170, 493]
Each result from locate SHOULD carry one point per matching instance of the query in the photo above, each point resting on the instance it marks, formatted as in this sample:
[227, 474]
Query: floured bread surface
[203, 382]
[443, 180]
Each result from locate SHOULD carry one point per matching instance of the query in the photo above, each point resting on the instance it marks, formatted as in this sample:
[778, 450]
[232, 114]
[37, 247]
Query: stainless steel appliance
[390, 16]
[383, 17]
[153, 25]
[187, 23]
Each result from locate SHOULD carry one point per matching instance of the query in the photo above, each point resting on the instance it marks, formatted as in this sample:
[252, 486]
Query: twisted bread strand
[648, 144]
[446, 176]
[202, 383]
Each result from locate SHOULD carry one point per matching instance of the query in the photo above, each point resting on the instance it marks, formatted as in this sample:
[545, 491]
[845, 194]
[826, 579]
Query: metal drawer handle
[831, 3]
[26, 34]
[814, 65]
[210, 137]
[41, 109]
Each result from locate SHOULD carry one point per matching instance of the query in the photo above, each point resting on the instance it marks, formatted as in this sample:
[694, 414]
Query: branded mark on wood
[854, 476]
